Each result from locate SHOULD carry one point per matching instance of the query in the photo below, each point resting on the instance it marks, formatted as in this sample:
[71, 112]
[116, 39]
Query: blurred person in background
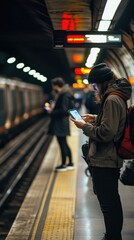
[59, 125]
[105, 132]
[78, 99]
[91, 100]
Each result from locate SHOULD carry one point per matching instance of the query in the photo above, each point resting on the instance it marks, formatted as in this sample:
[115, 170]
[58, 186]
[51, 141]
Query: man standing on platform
[59, 125]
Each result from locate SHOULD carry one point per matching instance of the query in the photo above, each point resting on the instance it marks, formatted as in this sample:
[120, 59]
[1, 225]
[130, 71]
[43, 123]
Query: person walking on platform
[59, 125]
[104, 131]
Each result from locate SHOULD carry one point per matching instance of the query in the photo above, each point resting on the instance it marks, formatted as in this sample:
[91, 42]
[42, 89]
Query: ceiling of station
[71, 15]
[78, 10]
[26, 29]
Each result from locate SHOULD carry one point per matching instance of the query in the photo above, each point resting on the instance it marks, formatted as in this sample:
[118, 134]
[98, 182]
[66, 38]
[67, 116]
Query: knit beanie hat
[100, 73]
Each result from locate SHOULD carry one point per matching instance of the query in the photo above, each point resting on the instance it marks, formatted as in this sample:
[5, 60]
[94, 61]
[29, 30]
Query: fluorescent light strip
[110, 9]
[104, 25]
[92, 57]
[107, 16]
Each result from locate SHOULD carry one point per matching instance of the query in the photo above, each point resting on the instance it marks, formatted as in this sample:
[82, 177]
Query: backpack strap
[121, 96]
[103, 101]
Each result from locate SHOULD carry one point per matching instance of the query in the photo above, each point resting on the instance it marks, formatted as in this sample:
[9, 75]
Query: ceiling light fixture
[104, 25]
[44, 79]
[26, 69]
[110, 9]
[85, 81]
[32, 72]
[92, 57]
[107, 16]
[36, 75]
[20, 65]
[11, 60]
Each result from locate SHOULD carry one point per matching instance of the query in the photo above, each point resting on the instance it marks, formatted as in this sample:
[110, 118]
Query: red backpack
[125, 147]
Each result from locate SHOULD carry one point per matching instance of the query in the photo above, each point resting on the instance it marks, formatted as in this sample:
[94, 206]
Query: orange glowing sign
[131, 80]
[75, 39]
[78, 85]
[82, 70]
[78, 58]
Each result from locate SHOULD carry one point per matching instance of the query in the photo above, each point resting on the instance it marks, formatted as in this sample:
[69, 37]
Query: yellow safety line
[43, 202]
[59, 222]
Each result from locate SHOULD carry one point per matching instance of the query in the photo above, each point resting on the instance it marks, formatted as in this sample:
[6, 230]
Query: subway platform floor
[89, 223]
[63, 206]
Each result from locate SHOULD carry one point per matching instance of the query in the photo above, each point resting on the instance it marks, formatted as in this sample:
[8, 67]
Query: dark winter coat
[102, 151]
[59, 125]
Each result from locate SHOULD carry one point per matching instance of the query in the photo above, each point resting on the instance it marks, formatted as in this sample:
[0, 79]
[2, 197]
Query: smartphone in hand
[75, 114]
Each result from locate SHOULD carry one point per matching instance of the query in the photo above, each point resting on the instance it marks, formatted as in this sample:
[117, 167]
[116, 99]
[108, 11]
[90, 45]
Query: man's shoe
[61, 168]
[70, 166]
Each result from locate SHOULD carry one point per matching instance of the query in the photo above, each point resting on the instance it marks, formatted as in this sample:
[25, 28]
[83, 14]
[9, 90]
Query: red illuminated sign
[75, 39]
[81, 71]
[67, 22]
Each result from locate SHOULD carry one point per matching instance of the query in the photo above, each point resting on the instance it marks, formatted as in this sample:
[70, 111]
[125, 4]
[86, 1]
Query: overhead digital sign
[87, 39]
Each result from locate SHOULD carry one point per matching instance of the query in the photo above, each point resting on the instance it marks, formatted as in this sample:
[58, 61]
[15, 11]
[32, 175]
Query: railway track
[18, 167]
